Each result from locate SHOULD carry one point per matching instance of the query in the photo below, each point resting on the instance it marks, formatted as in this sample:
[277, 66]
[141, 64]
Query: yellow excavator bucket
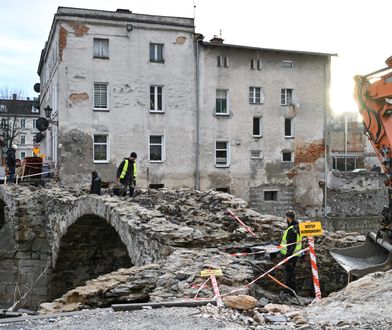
[372, 256]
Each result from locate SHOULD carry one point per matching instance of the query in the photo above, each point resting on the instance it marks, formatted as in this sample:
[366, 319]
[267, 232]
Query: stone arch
[89, 248]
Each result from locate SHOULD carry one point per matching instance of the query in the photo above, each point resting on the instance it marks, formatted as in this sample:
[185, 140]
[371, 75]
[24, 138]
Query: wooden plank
[187, 303]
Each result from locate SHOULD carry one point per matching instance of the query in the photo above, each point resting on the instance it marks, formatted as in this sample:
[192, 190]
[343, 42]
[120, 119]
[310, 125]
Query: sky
[354, 30]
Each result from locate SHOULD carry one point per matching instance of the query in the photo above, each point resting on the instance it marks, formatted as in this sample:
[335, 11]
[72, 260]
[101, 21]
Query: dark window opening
[287, 127]
[223, 189]
[286, 156]
[271, 195]
[156, 186]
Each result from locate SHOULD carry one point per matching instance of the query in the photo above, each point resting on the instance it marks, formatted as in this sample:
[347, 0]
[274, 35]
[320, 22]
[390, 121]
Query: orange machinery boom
[374, 97]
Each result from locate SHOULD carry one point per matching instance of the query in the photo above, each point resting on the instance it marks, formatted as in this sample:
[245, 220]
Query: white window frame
[23, 140]
[156, 97]
[100, 108]
[226, 91]
[259, 118]
[252, 64]
[101, 48]
[286, 96]
[253, 91]
[291, 121]
[228, 153]
[287, 64]
[107, 144]
[162, 144]
[22, 155]
[219, 61]
[154, 53]
[226, 61]
[256, 154]
[22, 123]
[259, 65]
[291, 156]
[34, 123]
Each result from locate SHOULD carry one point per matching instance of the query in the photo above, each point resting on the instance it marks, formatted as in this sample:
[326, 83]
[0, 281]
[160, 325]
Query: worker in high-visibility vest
[127, 173]
[291, 244]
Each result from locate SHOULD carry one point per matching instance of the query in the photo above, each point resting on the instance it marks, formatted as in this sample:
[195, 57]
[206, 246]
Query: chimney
[216, 40]
[124, 11]
[14, 96]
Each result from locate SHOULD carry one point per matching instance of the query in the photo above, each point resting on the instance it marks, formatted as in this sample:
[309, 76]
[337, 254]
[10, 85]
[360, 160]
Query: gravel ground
[148, 319]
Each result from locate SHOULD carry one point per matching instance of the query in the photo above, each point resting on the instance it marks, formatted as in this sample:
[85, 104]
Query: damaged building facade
[206, 115]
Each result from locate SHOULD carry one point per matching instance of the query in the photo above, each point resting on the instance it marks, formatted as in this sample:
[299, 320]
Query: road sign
[310, 228]
[209, 272]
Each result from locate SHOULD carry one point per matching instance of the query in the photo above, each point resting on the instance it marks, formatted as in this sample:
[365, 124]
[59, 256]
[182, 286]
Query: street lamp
[48, 112]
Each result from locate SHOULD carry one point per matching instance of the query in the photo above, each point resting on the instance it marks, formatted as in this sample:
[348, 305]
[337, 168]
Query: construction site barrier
[313, 264]
[242, 224]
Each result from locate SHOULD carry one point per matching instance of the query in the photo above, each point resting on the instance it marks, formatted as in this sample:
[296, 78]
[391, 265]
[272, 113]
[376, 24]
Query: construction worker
[11, 162]
[126, 173]
[291, 244]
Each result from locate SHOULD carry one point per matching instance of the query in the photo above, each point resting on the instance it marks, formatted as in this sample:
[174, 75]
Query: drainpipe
[197, 115]
[327, 109]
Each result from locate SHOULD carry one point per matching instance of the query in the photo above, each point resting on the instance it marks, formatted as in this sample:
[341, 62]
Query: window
[100, 96]
[255, 154]
[225, 61]
[256, 95]
[221, 102]
[101, 148]
[101, 48]
[23, 139]
[156, 53]
[156, 148]
[222, 61]
[255, 64]
[288, 129]
[3, 108]
[347, 163]
[257, 126]
[286, 96]
[22, 155]
[156, 103]
[270, 195]
[286, 156]
[22, 123]
[156, 186]
[3, 123]
[258, 63]
[34, 109]
[34, 123]
[287, 64]
[222, 154]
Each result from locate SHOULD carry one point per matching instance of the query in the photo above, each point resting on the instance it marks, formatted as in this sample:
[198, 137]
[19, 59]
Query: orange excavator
[373, 93]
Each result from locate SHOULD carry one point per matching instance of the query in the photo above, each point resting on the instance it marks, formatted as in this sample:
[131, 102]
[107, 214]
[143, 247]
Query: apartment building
[18, 120]
[250, 121]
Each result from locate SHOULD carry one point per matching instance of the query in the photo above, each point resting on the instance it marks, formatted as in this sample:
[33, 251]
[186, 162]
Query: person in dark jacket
[291, 244]
[95, 183]
[126, 173]
[11, 162]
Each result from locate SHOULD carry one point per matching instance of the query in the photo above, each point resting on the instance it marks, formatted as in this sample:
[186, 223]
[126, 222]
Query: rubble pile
[201, 235]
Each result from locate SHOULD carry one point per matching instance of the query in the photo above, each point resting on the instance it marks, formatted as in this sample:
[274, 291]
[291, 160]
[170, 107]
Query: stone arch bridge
[68, 236]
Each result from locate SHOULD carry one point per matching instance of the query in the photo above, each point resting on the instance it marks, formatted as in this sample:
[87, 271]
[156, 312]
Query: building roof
[17, 108]
[215, 44]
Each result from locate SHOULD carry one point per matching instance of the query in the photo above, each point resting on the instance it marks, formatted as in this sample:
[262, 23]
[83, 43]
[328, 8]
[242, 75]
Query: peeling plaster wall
[297, 182]
[129, 74]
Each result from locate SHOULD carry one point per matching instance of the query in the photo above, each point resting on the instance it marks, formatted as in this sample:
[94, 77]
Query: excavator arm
[373, 94]
[374, 97]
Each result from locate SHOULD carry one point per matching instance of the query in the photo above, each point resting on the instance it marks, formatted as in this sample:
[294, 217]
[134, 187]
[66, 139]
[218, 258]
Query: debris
[240, 301]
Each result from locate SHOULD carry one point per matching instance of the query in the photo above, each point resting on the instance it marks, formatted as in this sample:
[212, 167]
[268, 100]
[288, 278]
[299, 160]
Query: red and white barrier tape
[313, 264]
[242, 224]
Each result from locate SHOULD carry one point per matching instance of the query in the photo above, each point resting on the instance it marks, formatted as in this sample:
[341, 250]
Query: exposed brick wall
[79, 29]
[309, 153]
[78, 97]
[63, 35]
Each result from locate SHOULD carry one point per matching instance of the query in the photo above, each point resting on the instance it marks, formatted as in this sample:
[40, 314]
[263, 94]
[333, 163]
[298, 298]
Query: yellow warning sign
[209, 272]
[310, 229]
